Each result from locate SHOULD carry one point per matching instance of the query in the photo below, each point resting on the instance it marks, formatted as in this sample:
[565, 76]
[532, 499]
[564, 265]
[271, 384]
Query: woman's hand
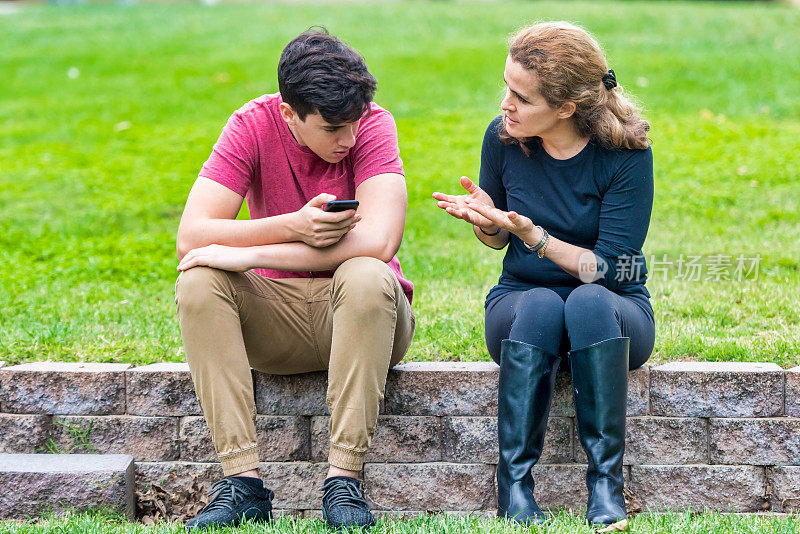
[458, 207]
[512, 221]
[235, 259]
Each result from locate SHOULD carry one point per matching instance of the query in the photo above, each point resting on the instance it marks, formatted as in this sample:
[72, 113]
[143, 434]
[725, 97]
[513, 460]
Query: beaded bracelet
[542, 241]
[543, 250]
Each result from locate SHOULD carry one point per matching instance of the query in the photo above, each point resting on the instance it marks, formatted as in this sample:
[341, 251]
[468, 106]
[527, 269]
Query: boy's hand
[319, 228]
[235, 259]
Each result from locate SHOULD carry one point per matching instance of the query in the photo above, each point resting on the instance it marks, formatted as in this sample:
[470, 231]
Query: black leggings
[563, 320]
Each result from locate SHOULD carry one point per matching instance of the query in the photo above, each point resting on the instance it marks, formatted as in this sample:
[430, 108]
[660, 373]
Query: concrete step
[39, 484]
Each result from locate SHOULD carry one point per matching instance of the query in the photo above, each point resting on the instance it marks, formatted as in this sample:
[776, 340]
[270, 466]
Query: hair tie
[610, 79]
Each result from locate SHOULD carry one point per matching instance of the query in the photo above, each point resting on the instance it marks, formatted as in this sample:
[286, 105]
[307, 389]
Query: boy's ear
[288, 113]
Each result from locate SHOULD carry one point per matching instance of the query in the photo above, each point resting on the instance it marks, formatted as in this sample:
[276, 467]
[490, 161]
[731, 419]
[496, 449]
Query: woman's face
[526, 114]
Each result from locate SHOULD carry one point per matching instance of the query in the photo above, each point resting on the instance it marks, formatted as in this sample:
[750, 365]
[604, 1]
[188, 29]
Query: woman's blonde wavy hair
[570, 66]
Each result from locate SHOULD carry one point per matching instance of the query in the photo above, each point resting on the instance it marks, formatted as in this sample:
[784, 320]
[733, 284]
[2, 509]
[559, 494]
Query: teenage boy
[296, 288]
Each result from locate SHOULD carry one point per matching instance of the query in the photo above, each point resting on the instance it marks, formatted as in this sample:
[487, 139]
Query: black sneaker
[344, 505]
[233, 502]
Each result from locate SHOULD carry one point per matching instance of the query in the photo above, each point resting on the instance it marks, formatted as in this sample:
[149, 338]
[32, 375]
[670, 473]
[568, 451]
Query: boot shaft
[527, 380]
[599, 389]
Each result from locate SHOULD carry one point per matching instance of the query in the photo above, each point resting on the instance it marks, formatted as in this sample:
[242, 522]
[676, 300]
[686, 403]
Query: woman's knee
[539, 319]
[588, 302]
[541, 301]
[590, 316]
[540, 308]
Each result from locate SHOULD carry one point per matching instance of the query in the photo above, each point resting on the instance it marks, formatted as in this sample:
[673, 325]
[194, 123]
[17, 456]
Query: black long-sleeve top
[599, 199]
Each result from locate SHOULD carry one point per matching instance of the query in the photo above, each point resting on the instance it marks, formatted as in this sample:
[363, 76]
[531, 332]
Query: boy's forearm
[302, 257]
[236, 233]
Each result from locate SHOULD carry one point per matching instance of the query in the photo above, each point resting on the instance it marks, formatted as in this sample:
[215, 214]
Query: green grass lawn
[671, 523]
[108, 111]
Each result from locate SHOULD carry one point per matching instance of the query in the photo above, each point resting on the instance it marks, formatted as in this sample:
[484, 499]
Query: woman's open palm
[456, 205]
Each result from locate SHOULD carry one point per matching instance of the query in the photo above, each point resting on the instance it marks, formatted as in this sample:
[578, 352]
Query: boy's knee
[364, 278]
[197, 285]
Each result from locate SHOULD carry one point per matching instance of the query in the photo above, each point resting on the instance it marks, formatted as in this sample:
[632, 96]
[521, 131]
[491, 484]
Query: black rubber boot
[600, 390]
[527, 379]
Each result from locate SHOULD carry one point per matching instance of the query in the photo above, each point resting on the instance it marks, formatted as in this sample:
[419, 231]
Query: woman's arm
[488, 237]
[624, 219]
[575, 260]
[569, 257]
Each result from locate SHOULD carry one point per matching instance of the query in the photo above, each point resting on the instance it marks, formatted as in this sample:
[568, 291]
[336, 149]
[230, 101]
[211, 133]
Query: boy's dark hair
[319, 73]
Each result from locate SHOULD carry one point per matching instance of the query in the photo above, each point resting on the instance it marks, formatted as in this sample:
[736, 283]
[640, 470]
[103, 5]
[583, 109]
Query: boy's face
[331, 142]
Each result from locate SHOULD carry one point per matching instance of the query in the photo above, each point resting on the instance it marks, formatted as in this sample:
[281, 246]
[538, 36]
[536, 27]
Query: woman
[566, 181]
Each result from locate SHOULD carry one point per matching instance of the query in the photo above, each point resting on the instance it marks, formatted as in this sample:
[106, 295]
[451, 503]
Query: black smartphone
[341, 205]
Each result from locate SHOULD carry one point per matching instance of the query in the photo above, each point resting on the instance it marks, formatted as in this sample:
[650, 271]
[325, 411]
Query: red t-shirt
[257, 157]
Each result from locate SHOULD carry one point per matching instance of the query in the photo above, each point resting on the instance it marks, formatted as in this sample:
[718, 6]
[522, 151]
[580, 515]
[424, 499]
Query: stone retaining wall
[719, 435]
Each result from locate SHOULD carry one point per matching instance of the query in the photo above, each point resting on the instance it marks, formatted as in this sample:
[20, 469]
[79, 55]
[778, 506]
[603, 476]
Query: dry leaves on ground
[619, 526]
[632, 504]
[154, 503]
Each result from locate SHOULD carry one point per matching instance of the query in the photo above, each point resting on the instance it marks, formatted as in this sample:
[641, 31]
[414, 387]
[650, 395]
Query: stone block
[793, 392]
[442, 388]
[639, 391]
[562, 404]
[661, 440]
[430, 486]
[145, 438]
[665, 440]
[161, 389]
[302, 394]
[63, 388]
[174, 475]
[560, 486]
[37, 484]
[739, 488]
[563, 485]
[762, 441]
[280, 439]
[297, 485]
[24, 433]
[474, 440]
[716, 389]
[785, 485]
[397, 439]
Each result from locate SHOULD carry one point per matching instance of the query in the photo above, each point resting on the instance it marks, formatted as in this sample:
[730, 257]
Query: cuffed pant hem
[237, 462]
[347, 459]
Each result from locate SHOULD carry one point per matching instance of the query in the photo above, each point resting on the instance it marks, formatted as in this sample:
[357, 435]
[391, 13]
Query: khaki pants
[356, 325]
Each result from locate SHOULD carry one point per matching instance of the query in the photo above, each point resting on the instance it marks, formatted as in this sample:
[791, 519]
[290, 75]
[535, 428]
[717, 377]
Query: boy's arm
[382, 207]
[211, 209]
